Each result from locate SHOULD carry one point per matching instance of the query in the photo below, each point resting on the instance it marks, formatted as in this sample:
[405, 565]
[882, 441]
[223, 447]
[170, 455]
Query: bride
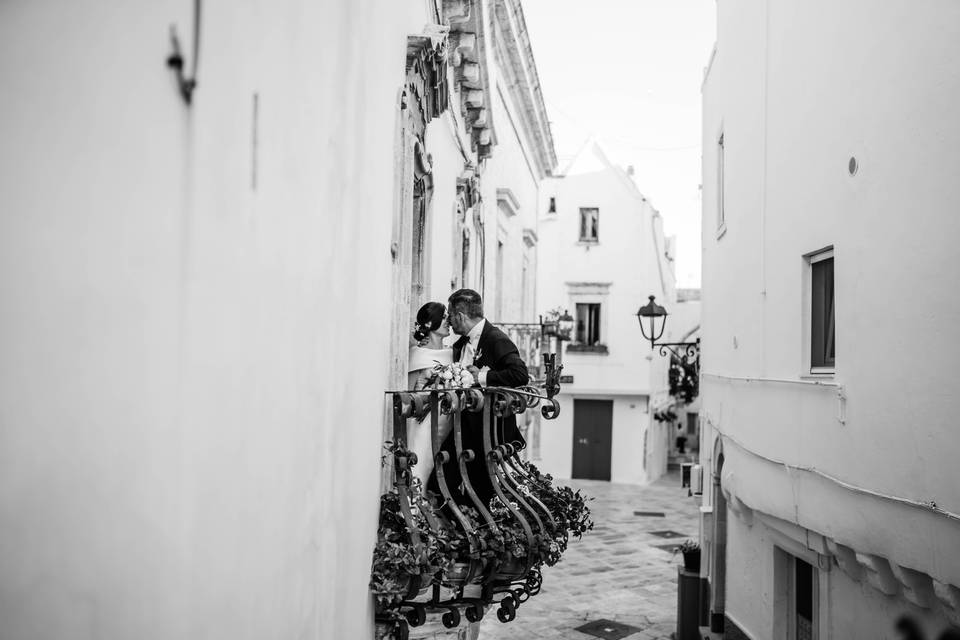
[428, 333]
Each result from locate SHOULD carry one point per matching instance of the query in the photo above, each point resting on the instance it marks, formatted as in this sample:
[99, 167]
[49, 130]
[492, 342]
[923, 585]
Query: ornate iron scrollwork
[686, 352]
[501, 578]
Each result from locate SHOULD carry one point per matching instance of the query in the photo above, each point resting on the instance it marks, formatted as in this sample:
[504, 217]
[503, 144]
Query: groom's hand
[480, 375]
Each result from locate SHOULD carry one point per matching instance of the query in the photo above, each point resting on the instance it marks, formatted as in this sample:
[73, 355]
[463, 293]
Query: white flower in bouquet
[452, 376]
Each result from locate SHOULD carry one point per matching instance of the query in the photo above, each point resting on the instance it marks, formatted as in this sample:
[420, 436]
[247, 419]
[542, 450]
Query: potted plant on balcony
[568, 508]
[509, 543]
[400, 568]
[691, 555]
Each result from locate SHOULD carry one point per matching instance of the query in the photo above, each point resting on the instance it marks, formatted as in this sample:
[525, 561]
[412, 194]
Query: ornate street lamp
[566, 326]
[554, 326]
[652, 313]
[549, 326]
[655, 317]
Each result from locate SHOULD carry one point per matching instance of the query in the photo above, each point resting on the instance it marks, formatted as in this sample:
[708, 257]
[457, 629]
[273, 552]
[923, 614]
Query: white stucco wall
[797, 95]
[190, 446]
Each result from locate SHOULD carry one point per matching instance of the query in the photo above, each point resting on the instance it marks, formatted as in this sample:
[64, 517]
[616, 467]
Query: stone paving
[615, 572]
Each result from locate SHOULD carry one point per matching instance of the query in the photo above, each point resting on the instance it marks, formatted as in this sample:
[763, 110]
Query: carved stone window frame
[423, 97]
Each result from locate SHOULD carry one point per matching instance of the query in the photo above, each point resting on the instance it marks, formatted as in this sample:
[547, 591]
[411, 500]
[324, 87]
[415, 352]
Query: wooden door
[592, 438]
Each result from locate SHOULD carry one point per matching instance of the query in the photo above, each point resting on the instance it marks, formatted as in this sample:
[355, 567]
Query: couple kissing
[493, 359]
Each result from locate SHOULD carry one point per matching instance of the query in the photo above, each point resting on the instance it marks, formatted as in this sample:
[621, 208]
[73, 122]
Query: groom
[494, 361]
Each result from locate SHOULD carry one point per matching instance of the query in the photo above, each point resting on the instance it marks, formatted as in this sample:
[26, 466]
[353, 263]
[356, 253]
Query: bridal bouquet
[451, 376]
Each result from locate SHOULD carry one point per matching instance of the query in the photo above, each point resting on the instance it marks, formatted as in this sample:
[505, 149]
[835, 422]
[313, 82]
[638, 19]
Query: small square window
[589, 224]
[822, 313]
[553, 205]
[588, 323]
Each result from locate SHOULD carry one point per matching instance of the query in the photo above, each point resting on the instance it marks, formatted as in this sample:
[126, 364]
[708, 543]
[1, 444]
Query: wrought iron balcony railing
[473, 554]
[530, 341]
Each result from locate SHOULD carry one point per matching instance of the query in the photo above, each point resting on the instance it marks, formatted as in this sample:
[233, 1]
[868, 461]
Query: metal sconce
[656, 317]
[175, 60]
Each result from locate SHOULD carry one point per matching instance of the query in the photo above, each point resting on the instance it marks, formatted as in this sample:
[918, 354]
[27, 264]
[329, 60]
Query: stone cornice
[468, 44]
[515, 58]
[484, 32]
[530, 237]
[426, 88]
[510, 202]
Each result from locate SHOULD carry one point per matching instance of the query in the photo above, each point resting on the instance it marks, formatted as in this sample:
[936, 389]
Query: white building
[602, 252]
[205, 299]
[831, 149]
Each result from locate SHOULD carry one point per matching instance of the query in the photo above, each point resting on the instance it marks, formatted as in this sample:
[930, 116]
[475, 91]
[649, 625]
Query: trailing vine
[683, 379]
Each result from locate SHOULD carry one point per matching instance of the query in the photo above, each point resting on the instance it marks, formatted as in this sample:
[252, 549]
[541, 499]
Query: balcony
[455, 554]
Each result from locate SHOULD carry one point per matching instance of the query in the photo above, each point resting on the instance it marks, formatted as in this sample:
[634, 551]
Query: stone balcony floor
[615, 572]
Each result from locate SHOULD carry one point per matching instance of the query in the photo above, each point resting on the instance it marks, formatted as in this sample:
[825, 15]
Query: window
[796, 607]
[588, 324]
[803, 600]
[721, 214]
[419, 271]
[553, 205]
[589, 225]
[822, 314]
[465, 259]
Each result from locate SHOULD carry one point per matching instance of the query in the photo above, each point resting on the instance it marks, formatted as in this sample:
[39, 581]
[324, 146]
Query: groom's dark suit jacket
[497, 351]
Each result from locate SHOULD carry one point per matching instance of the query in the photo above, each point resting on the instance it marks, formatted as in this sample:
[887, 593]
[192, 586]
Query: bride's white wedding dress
[418, 433]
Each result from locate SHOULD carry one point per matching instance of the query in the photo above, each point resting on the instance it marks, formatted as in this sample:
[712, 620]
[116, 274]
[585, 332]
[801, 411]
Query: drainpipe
[763, 192]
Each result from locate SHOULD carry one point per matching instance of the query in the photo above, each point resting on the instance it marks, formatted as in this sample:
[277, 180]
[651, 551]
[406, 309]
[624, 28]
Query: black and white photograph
[479, 320]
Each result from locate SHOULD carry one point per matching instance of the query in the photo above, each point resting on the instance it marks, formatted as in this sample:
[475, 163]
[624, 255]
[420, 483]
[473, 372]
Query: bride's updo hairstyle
[429, 318]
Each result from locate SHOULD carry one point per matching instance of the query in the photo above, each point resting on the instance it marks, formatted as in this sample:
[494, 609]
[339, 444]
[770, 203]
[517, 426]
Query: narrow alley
[623, 571]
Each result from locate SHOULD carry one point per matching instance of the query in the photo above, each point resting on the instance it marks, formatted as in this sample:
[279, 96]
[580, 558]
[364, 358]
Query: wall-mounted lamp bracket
[176, 62]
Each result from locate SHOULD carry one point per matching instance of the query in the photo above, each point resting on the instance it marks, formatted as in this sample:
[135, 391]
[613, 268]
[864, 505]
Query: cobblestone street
[616, 572]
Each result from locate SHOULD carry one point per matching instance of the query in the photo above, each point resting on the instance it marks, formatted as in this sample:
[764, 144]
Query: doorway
[718, 573]
[592, 439]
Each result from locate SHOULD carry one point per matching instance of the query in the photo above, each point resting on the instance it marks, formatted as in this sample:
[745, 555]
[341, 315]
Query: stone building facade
[602, 252]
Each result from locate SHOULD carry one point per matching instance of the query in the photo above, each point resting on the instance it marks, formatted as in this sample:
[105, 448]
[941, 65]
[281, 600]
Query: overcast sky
[628, 72]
